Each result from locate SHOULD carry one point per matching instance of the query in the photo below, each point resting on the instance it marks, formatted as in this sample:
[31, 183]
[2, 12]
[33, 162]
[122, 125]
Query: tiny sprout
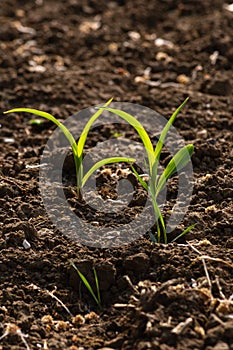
[95, 296]
[13, 329]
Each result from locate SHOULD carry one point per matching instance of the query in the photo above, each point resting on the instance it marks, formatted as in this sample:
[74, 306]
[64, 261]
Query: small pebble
[78, 320]
[47, 319]
[203, 134]
[113, 47]
[134, 35]
[161, 42]
[182, 79]
[163, 56]
[26, 244]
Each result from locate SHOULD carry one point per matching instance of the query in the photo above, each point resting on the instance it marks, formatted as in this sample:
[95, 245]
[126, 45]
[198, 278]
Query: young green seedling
[157, 183]
[96, 296]
[77, 148]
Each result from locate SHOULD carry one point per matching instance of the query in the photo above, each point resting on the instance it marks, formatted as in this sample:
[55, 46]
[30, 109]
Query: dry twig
[33, 286]
[13, 329]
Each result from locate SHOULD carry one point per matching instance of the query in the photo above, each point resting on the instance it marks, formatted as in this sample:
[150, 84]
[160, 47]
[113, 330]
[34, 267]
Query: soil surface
[61, 57]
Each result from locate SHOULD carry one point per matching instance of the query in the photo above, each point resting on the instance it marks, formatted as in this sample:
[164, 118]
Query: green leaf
[159, 218]
[83, 137]
[152, 237]
[178, 162]
[188, 229]
[165, 130]
[77, 149]
[48, 116]
[104, 162]
[142, 182]
[158, 231]
[65, 131]
[140, 130]
[81, 144]
[86, 283]
[160, 143]
[97, 285]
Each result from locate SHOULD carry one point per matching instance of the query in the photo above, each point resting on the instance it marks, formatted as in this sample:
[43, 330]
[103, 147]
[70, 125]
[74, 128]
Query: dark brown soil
[61, 57]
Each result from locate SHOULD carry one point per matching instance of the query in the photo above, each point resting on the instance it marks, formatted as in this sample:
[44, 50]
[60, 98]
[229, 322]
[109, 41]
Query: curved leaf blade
[142, 182]
[50, 117]
[83, 137]
[97, 285]
[188, 229]
[139, 128]
[165, 130]
[66, 132]
[86, 283]
[104, 162]
[160, 143]
[178, 162]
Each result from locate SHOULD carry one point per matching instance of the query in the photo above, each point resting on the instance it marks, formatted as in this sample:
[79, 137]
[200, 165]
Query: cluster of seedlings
[155, 183]
[153, 186]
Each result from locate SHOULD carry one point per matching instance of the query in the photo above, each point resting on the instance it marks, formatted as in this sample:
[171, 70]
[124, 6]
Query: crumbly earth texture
[61, 57]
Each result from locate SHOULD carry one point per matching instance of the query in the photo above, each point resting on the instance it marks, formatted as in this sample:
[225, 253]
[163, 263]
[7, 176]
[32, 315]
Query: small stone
[37, 69]
[214, 57]
[88, 26]
[211, 208]
[162, 42]
[163, 56]
[182, 79]
[78, 320]
[47, 319]
[228, 7]
[62, 325]
[202, 134]
[139, 79]
[134, 35]
[200, 330]
[20, 13]
[113, 47]
[26, 244]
